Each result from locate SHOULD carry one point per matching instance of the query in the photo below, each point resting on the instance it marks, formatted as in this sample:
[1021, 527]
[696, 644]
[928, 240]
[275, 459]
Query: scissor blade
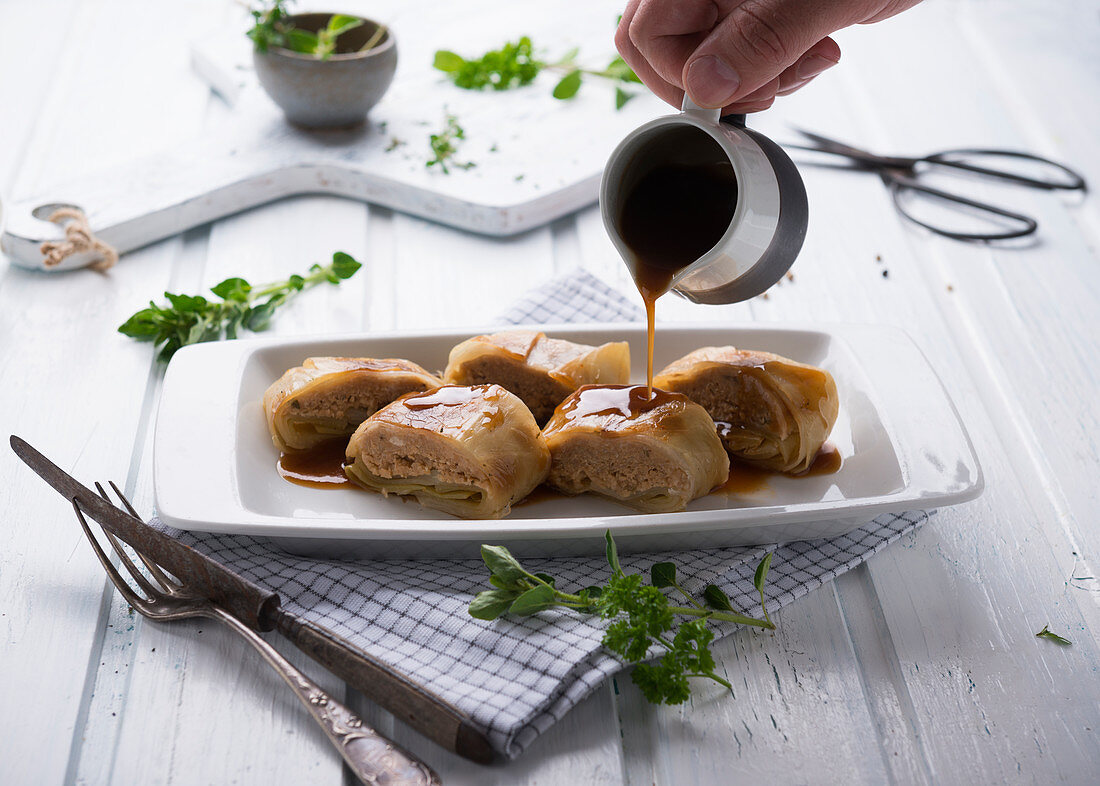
[825, 144]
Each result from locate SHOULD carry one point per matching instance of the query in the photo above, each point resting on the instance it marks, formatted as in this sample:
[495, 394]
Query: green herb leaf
[491, 604]
[259, 318]
[192, 319]
[533, 600]
[1046, 633]
[448, 61]
[501, 563]
[444, 146]
[569, 85]
[232, 289]
[762, 573]
[344, 265]
[621, 97]
[663, 574]
[339, 24]
[715, 598]
[302, 41]
[641, 623]
[511, 66]
[612, 552]
[141, 325]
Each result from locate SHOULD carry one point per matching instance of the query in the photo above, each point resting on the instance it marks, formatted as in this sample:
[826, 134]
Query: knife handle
[415, 705]
[372, 758]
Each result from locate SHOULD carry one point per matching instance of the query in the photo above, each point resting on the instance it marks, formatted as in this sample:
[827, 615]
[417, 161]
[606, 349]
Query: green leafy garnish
[640, 616]
[515, 65]
[444, 146]
[269, 25]
[272, 27]
[192, 319]
[1046, 633]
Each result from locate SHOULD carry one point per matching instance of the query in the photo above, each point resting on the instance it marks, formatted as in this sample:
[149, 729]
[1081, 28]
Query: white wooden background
[920, 667]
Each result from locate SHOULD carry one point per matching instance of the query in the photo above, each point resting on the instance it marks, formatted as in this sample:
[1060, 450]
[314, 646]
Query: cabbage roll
[542, 371]
[469, 451]
[653, 454]
[771, 412]
[329, 397]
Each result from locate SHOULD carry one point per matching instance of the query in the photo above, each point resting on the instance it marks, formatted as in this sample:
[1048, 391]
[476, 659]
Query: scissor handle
[1074, 181]
[1025, 225]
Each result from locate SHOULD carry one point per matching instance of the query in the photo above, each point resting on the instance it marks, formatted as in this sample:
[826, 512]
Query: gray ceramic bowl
[329, 93]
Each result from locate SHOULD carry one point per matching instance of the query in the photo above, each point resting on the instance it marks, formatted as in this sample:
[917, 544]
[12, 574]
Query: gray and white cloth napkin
[515, 677]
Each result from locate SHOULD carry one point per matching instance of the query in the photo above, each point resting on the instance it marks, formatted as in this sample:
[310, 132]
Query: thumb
[755, 43]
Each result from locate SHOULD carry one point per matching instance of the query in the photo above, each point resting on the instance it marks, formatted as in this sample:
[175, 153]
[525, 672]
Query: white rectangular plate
[902, 443]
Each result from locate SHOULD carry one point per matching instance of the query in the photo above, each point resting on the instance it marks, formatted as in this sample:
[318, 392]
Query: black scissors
[900, 174]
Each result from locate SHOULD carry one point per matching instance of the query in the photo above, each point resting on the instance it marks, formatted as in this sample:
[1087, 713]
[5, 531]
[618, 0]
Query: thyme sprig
[515, 64]
[641, 616]
[192, 319]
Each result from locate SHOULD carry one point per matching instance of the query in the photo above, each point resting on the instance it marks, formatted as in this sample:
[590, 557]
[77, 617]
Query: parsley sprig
[192, 319]
[642, 619]
[515, 64]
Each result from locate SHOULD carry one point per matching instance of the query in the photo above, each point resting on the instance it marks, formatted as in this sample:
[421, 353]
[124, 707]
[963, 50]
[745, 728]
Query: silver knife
[260, 610]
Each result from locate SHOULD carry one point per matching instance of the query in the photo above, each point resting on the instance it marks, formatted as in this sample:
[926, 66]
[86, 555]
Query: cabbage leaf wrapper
[770, 411]
[328, 397]
[654, 454]
[472, 451]
[540, 370]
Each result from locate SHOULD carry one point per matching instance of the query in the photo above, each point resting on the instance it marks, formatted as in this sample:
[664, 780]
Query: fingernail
[711, 82]
[813, 65]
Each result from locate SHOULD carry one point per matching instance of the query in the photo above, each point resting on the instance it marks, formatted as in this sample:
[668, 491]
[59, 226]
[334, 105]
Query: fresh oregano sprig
[444, 146]
[269, 25]
[321, 44]
[516, 65]
[641, 616]
[192, 319]
[272, 27]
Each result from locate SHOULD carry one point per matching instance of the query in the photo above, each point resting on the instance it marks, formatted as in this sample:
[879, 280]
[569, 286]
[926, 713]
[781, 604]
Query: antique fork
[372, 758]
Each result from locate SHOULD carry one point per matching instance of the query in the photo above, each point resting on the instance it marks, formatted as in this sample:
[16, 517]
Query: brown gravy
[670, 218]
[746, 479]
[320, 467]
[625, 401]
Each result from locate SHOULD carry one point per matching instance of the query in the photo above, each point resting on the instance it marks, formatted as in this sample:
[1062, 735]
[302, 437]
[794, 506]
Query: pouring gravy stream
[670, 218]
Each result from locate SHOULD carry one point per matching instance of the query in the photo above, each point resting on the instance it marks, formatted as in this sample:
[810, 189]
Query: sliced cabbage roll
[469, 451]
[329, 397]
[653, 454]
[771, 412]
[542, 371]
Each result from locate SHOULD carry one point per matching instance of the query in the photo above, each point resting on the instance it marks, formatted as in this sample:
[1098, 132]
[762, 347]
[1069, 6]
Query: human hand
[738, 54]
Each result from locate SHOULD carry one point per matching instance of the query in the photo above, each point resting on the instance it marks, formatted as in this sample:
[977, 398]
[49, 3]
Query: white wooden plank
[261, 733]
[945, 626]
[583, 747]
[797, 713]
[445, 278]
[23, 97]
[62, 337]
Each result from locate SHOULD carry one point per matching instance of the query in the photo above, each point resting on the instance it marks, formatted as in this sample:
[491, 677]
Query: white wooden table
[920, 667]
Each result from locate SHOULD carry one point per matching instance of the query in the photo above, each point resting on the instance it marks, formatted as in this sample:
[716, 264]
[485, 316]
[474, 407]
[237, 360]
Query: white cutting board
[537, 158]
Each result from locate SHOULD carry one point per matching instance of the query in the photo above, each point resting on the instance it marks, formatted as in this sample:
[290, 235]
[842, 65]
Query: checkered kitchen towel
[515, 677]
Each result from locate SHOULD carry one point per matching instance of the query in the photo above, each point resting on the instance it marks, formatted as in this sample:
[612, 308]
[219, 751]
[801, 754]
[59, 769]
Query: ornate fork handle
[373, 758]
